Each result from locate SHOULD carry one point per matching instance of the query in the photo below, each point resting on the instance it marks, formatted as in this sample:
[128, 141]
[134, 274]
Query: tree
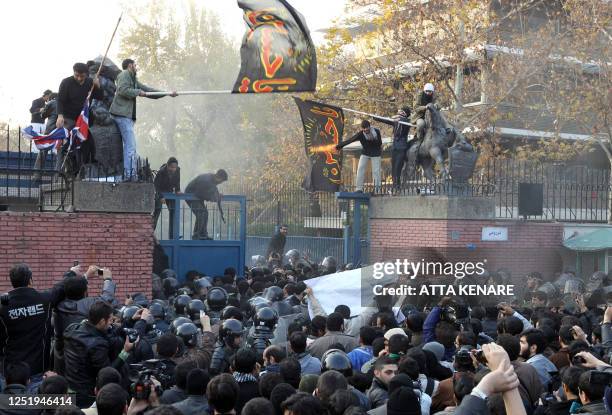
[528, 60]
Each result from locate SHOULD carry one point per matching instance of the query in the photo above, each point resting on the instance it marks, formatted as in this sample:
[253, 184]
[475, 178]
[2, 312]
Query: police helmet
[273, 293]
[201, 283]
[127, 313]
[194, 307]
[266, 317]
[231, 312]
[256, 303]
[180, 303]
[216, 299]
[335, 359]
[329, 264]
[157, 310]
[177, 322]
[168, 273]
[184, 291]
[170, 286]
[230, 329]
[188, 332]
[292, 255]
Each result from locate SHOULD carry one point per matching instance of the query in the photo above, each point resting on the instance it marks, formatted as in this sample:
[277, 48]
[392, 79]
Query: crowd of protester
[247, 343]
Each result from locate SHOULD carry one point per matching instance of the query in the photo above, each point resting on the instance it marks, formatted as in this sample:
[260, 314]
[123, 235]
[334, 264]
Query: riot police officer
[216, 300]
[275, 297]
[264, 323]
[230, 337]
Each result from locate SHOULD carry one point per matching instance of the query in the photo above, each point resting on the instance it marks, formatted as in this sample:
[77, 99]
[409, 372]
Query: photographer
[437, 327]
[26, 317]
[88, 347]
[75, 307]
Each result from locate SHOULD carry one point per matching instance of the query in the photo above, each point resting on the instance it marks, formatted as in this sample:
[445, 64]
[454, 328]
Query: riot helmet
[273, 293]
[168, 273]
[180, 303]
[216, 299]
[230, 330]
[194, 307]
[177, 322]
[158, 311]
[188, 332]
[127, 313]
[329, 265]
[231, 312]
[266, 317]
[335, 359]
[170, 286]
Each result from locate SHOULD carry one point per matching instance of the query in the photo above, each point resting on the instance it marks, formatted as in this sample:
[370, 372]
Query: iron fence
[29, 177]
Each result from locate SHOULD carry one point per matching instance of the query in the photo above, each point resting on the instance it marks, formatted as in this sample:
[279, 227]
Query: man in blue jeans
[123, 110]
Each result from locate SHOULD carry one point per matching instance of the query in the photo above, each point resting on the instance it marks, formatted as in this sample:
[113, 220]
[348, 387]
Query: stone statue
[439, 140]
[107, 157]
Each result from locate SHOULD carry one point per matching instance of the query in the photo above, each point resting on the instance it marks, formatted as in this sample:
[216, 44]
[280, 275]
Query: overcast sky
[41, 39]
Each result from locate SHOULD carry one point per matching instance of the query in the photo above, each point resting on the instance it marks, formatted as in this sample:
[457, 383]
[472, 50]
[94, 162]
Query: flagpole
[377, 116]
[164, 93]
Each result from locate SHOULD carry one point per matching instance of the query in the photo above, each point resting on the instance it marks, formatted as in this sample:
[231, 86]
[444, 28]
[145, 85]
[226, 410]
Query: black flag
[277, 53]
[323, 129]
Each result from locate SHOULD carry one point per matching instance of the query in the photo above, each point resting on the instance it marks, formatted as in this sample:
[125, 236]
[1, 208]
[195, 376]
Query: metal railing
[30, 178]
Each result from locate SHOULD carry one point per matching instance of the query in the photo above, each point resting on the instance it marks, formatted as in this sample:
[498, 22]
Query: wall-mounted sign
[494, 234]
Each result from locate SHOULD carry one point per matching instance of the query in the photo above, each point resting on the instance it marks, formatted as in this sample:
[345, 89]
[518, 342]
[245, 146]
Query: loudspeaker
[531, 199]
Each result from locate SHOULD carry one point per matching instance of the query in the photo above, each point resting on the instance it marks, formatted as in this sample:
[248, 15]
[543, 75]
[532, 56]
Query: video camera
[141, 374]
[131, 334]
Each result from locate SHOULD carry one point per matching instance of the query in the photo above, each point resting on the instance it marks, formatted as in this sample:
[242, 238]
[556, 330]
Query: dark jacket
[555, 408]
[248, 391]
[204, 187]
[74, 311]
[166, 183]
[530, 388]
[71, 96]
[16, 389]
[419, 105]
[193, 405]
[276, 245]
[400, 131]
[472, 405]
[25, 320]
[370, 148]
[173, 395]
[86, 351]
[37, 105]
[561, 358]
[593, 408]
[377, 394]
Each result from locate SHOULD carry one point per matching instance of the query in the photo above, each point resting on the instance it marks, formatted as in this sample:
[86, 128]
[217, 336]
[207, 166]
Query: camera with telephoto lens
[141, 373]
[131, 334]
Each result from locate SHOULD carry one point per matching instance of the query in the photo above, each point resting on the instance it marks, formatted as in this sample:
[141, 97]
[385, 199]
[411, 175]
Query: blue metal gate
[211, 257]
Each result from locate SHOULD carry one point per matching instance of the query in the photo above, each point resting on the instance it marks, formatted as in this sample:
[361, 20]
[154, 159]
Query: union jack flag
[45, 142]
[81, 126]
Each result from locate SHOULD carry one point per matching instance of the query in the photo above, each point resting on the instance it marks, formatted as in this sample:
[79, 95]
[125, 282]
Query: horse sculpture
[433, 149]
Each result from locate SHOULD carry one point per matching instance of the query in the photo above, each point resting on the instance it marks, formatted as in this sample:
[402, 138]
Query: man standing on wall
[123, 110]
[371, 148]
[37, 109]
[204, 188]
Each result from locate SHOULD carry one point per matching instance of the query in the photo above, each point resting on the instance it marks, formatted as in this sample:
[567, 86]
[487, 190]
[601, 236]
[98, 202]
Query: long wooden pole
[377, 116]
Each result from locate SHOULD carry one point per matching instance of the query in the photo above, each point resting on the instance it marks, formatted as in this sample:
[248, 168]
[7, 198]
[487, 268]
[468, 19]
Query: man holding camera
[90, 346]
[75, 307]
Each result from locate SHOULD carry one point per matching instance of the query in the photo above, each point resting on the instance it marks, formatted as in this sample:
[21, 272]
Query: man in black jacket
[204, 188]
[75, 308]
[400, 142]
[37, 109]
[277, 242]
[88, 347]
[371, 147]
[25, 317]
[167, 180]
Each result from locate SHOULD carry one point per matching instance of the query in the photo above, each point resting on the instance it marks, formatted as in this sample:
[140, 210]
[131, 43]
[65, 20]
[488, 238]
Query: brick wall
[531, 246]
[50, 242]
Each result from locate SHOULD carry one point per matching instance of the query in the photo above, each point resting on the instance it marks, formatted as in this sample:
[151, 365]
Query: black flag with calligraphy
[277, 53]
[323, 129]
